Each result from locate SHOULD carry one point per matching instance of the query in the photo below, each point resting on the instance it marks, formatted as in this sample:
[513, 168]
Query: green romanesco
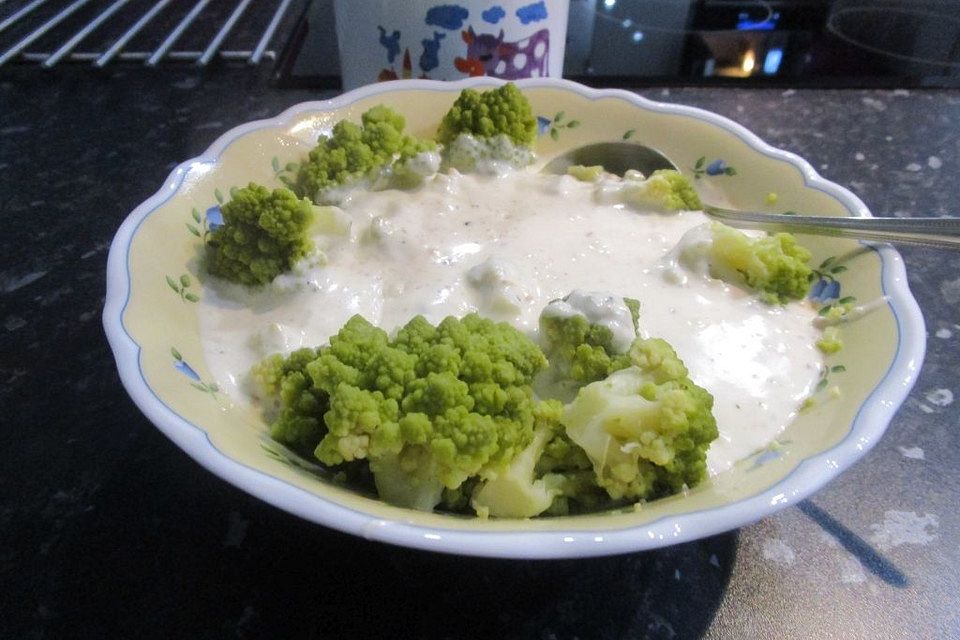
[830, 342]
[429, 409]
[488, 131]
[571, 475]
[776, 266]
[665, 190]
[552, 476]
[488, 114]
[838, 312]
[297, 404]
[585, 173]
[447, 414]
[517, 491]
[645, 428]
[264, 233]
[585, 337]
[353, 152]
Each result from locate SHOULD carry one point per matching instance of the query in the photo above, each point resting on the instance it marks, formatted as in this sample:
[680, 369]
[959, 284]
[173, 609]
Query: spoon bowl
[620, 157]
[614, 157]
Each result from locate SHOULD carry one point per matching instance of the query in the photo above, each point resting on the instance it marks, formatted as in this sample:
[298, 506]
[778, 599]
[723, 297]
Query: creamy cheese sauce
[506, 246]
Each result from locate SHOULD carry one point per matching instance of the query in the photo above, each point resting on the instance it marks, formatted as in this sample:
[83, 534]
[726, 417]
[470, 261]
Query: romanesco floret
[297, 404]
[585, 173]
[774, 265]
[830, 342]
[645, 428]
[495, 156]
[517, 491]
[585, 337]
[836, 313]
[571, 474]
[352, 152]
[263, 234]
[428, 409]
[552, 476]
[488, 132]
[447, 415]
[487, 114]
[664, 189]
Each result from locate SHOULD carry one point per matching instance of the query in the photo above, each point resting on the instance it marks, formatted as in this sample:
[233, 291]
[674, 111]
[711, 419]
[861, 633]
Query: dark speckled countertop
[108, 530]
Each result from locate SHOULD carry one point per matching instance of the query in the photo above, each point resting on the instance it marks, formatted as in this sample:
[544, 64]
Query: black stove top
[797, 43]
[831, 43]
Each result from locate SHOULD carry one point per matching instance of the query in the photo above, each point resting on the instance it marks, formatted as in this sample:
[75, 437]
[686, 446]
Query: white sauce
[506, 246]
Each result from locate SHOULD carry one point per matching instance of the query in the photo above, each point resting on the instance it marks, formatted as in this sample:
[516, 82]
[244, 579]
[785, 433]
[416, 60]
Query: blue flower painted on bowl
[543, 125]
[767, 456]
[186, 370]
[773, 451]
[555, 125]
[181, 365]
[210, 221]
[824, 289]
[214, 217]
[718, 167]
[827, 286]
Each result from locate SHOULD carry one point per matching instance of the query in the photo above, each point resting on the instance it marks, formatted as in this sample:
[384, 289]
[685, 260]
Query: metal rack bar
[19, 14]
[122, 41]
[218, 39]
[78, 37]
[165, 46]
[140, 56]
[37, 33]
[101, 12]
[270, 30]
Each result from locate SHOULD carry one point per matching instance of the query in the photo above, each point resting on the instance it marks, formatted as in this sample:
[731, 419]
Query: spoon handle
[928, 232]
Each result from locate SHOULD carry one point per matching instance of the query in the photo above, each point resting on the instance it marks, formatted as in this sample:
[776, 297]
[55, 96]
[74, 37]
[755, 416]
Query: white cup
[397, 39]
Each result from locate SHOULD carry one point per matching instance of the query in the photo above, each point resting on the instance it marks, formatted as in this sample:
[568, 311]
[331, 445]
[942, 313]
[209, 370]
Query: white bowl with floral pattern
[153, 288]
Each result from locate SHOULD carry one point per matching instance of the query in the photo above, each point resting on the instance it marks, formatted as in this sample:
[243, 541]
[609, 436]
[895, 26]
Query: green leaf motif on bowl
[181, 286]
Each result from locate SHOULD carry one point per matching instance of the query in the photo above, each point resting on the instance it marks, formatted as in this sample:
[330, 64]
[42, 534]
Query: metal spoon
[618, 157]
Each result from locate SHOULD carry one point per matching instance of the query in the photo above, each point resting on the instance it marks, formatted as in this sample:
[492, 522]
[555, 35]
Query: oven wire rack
[45, 21]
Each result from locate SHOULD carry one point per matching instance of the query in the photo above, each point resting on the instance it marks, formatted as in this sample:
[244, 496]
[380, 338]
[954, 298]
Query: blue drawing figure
[430, 59]
[532, 12]
[494, 14]
[391, 43]
[446, 16]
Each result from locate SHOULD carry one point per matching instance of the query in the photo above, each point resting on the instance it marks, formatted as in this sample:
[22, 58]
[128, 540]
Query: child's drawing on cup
[509, 40]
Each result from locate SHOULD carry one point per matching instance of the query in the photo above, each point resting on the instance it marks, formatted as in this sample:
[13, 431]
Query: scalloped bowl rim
[871, 420]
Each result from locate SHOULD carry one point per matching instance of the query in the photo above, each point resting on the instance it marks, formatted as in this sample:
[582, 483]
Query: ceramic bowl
[153, 288]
